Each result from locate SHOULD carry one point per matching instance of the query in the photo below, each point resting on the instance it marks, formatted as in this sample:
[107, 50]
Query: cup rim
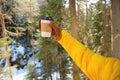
[45, 21]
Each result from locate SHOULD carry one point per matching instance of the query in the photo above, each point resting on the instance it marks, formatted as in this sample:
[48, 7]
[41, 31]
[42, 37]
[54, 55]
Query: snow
[20, 49]
[19, 74]
[56, 76]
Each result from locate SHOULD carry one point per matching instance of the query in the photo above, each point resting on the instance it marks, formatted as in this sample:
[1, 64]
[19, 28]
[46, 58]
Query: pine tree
[52, 54]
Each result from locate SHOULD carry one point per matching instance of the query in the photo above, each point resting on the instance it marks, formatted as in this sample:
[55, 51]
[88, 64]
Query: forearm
[93, 65]
[69, 43]
[77, 51]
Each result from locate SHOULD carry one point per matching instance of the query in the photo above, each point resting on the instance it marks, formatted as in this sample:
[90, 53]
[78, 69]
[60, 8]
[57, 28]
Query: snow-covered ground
[18, 53]
[19, 74]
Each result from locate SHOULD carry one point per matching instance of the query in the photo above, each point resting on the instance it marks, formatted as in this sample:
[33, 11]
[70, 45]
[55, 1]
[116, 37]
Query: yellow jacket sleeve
[95, 66]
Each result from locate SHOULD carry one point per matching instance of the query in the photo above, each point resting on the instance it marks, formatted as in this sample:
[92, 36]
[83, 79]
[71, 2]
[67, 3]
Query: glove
[56, 31]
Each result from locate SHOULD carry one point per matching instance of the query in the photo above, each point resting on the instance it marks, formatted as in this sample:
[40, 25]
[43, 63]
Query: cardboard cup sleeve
[45, 28]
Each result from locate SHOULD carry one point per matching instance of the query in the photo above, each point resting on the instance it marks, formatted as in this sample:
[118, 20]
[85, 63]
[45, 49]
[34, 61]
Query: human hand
[56, 31]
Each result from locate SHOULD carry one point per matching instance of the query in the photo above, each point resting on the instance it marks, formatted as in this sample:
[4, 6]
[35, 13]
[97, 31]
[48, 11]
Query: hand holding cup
[44, 27]
[49, 28]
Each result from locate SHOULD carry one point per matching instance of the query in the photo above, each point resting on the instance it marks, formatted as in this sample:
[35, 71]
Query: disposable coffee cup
[45, 28]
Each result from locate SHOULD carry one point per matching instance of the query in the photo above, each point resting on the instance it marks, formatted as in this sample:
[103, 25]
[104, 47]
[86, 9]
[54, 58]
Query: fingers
[56, 31]
[53, 26]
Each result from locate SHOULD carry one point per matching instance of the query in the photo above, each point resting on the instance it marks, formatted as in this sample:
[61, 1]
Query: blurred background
[25, 55]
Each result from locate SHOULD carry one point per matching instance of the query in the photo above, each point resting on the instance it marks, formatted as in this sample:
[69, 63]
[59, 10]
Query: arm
[93, 65]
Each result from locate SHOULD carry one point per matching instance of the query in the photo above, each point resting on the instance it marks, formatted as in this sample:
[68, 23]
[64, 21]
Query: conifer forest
[26, 55]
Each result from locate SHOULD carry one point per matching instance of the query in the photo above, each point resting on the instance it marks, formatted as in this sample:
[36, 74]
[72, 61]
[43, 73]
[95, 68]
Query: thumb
[56, 31]
[53, 27]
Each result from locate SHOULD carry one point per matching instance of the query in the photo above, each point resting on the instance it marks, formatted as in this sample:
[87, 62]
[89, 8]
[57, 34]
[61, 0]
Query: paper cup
[45, 28]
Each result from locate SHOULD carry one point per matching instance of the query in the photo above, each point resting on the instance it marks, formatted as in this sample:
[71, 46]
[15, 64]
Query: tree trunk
[74, 32]
[74, 26]
[106, 31]
[6, 47]
[62, 63]
[32, 43]
[61, 71]
[116, 27]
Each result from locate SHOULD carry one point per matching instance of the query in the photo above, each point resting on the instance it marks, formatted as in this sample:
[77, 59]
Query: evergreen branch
[13, 34]
[10, 19]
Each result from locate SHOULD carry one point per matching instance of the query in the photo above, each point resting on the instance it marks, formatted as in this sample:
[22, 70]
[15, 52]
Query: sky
[93, 1]
[90, 1]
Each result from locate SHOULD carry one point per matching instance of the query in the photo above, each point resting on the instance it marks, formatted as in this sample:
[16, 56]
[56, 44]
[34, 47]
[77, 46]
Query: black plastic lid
[47, 18]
